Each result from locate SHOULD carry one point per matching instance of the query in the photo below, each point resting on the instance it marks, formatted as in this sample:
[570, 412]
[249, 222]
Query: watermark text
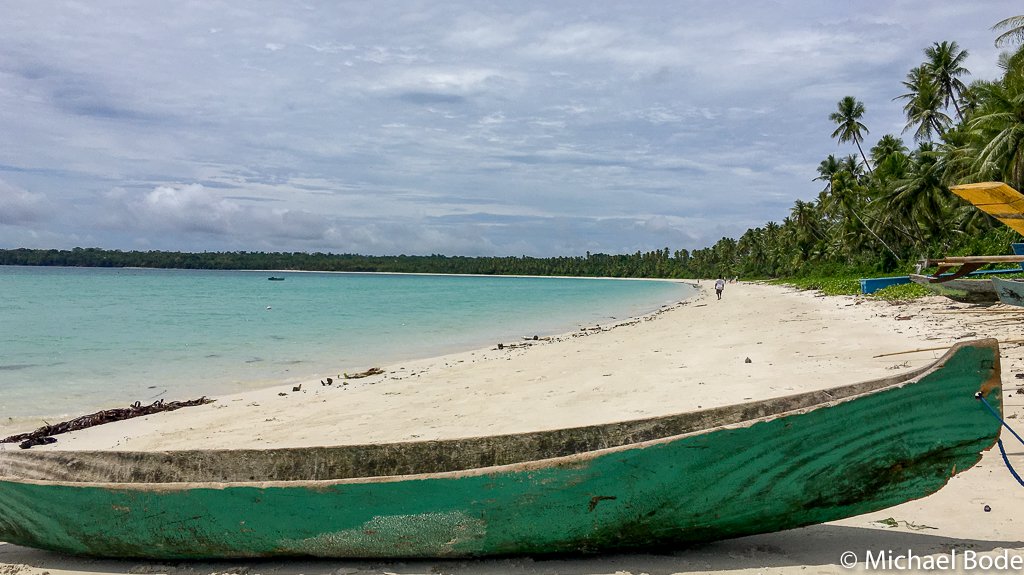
[955, 560]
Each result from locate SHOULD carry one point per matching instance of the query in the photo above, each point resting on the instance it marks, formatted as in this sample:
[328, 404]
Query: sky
[442, 127]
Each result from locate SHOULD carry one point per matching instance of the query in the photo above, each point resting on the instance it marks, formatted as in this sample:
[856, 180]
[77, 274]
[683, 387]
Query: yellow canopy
[996, 199]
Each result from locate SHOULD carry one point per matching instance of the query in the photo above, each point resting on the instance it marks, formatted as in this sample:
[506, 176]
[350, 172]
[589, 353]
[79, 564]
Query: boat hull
[1010, 292]
[809, 465]
[962, 290]
[871, 285]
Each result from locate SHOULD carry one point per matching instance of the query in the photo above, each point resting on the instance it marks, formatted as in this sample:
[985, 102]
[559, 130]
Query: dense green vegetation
[883, 208]
[656, 264]
[880, 209]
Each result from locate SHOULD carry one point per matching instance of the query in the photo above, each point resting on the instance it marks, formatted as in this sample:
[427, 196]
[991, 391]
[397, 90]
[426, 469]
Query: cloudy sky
[454, 127]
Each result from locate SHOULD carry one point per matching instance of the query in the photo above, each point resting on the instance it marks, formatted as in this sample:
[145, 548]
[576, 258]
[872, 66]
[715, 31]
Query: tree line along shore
[655, 264]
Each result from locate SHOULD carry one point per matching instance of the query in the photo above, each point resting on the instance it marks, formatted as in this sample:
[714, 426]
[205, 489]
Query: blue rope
[999, 442]
[997, 416]
[1013, 472]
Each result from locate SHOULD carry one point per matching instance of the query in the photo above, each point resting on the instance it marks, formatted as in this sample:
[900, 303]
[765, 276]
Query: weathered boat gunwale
[788, 405]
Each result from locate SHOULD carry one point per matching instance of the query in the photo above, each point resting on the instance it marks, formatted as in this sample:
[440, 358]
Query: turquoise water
[74, 340]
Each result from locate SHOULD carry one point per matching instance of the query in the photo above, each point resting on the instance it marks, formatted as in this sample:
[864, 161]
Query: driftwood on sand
[367, 373]
[42, 435]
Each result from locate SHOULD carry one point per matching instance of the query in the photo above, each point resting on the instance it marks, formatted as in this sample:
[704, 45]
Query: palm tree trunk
[956, 105]
[880, 240]
[866, 162]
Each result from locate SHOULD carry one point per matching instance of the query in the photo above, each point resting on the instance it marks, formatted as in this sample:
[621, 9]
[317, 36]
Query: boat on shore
[1010, 292]
[659, 482]
[963, 290]
[871, 285]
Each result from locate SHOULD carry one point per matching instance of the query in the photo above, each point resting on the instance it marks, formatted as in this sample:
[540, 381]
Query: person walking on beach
[719, 286]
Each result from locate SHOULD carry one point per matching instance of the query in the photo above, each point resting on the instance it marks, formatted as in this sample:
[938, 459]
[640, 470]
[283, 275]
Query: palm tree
[827, 169]
[887, 146]
[849, 128]
[920, 200]
[999, 128]
[751, 250]
[916, 77]
[890, 157]
[852, 165]
[806, 223]
[956, 155]
[1014, 26]
[723, 257]
[969, 99]
[924, 103]
[845, 200]
[945, 64]
[771, 241]
[889, 171]
[805, 217]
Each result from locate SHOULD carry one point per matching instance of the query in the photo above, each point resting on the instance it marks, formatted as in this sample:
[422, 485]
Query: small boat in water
[963, 290]
[1009, 291]
[667, 481]
[275, 279]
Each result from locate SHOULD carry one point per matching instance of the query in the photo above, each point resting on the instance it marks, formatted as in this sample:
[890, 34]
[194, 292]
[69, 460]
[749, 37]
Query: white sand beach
[692, 355]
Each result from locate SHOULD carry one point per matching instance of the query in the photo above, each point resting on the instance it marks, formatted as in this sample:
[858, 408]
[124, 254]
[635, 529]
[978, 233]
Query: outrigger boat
[963, 290]
[998, 200]
[667, 481]
[1010, 292]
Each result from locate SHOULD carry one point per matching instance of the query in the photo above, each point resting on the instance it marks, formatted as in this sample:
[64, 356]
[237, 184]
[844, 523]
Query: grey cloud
[194, 208]
[556, 157]
[483, 218]
[426, 98]
[249, 198]
[20, 207]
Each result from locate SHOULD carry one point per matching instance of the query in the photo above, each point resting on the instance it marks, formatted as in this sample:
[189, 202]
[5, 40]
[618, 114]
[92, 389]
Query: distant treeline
[654, 264]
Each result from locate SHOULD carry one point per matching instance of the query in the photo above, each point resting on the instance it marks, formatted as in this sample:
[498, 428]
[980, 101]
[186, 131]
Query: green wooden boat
[661, 482]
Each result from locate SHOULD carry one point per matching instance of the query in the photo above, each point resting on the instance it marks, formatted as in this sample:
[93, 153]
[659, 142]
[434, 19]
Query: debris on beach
[37, 441]
[367, 373]
[526, 343]
[891, 522]
[100, 417]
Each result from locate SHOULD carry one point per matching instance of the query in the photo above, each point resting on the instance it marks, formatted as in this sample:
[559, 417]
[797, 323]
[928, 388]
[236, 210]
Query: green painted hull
[753, 468]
